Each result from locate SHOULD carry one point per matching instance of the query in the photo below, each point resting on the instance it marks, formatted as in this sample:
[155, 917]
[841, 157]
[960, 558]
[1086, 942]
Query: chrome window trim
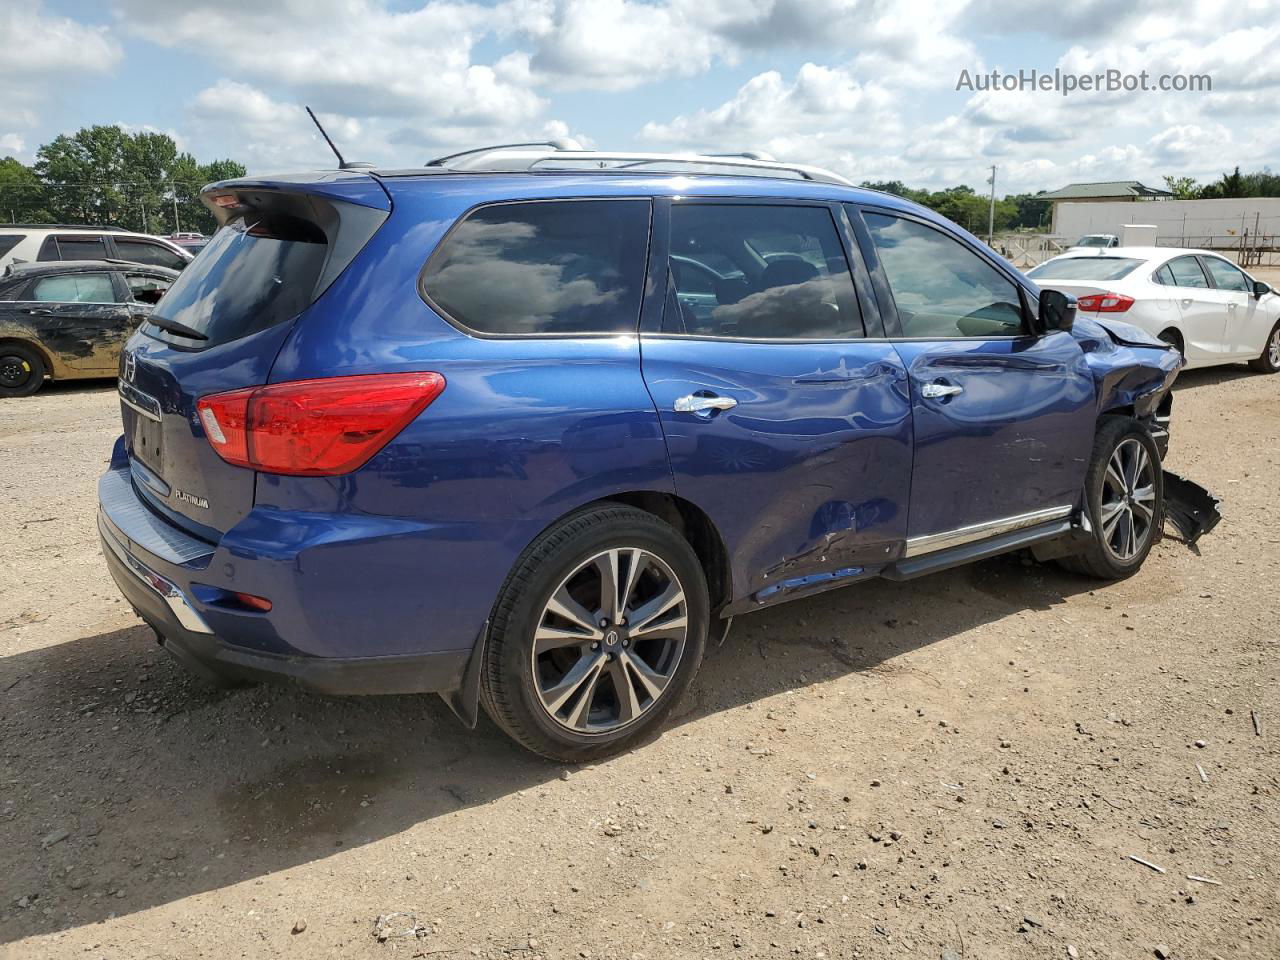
[930, 543]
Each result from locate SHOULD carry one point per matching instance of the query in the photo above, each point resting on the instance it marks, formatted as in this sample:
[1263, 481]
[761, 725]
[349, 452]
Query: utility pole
[177, 228]
[991, 210]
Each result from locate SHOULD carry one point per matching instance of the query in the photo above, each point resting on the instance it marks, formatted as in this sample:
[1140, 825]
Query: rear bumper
[184, 633]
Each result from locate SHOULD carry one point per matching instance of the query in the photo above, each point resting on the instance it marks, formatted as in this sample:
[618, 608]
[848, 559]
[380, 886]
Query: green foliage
[106, 175]
[1182, 188]
[969, 209]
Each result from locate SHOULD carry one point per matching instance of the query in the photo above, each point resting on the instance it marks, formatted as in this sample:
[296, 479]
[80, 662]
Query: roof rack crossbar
[522, 157]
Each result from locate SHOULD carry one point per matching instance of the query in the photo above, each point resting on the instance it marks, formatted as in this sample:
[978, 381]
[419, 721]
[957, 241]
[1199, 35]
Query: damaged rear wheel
[1124, 495]
[21, 370]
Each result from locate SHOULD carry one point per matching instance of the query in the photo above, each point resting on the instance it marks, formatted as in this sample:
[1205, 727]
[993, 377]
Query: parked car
[193, 243]
[66, 321]
[471, 428]
[1196, 300]
[29, 243]
[1096, 241]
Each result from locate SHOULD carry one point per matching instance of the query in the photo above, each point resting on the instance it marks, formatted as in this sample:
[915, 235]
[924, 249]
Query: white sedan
[1196, 300]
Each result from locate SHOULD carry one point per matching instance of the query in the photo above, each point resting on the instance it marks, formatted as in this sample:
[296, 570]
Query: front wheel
[1269, 362]
[597, 632]
[1124, 495]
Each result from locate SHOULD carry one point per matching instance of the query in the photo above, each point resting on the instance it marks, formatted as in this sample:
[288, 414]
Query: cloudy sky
[867, 87]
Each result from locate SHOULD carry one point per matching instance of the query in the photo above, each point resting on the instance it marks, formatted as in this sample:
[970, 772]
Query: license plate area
[147, 443]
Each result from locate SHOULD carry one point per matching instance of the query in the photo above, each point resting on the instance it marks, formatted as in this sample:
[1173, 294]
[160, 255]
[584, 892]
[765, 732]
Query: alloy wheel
[609, 641]
[1128, 500]
[1273, 348]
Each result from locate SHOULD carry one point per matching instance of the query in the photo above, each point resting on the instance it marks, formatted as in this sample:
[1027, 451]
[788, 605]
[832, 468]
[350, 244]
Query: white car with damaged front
[1196, 300]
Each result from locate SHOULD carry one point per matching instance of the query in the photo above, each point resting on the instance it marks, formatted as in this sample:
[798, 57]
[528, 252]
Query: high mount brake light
[315, 428]
[1104, 303]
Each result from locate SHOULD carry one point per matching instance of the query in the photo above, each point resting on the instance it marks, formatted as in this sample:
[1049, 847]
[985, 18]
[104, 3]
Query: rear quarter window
[9, 241]
[532, 268]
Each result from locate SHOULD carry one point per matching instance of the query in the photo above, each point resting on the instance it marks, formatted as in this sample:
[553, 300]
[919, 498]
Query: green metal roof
[1119, 189]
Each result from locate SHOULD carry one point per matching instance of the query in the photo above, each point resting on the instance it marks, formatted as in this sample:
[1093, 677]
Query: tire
[1269, 362]
[568, 695]
[22, 370]
[1112, 499]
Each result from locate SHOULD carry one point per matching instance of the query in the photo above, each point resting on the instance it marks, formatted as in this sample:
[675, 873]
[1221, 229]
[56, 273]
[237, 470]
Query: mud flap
[465, 701]
[1189, 508]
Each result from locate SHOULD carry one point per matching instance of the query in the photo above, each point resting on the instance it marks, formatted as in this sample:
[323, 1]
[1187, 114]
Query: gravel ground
[962, 766]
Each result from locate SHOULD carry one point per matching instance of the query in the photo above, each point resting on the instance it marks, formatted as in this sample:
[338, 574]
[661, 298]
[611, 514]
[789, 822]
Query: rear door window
[255, 273]
[145, 251]
[144, 289]
[75, 248]
[566, 267]
[777, 272]
[1187, 273]
[75, 288]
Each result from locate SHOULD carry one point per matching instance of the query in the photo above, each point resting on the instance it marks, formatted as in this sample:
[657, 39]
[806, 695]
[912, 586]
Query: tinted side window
[142, 251]
[547, 267]
[940, 287]
[146, 289]
[1187, 273]
[75, 288]
[1226, 276]
[10, 241]
[81, 248]
[777, 273]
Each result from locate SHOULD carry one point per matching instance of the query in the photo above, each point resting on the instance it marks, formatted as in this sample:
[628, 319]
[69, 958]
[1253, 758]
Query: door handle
[1186, 302]
[41, 312]
[938, 389]
[696, 404]
[1232, 306]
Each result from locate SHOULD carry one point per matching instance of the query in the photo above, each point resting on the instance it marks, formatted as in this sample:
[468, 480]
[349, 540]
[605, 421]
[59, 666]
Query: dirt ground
[959, 767]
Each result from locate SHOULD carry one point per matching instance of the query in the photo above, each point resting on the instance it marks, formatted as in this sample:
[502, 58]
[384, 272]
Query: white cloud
[43, 53]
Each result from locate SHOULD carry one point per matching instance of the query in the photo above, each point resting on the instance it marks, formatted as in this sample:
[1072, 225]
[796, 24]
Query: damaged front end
[1134, 373]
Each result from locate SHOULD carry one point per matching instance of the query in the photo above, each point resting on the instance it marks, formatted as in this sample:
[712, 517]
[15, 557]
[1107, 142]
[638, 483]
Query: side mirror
[1261, 289]
[1057, 312]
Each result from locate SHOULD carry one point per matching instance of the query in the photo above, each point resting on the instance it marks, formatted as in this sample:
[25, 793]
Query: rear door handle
[939, 389]
[41, 312]
[699, 404]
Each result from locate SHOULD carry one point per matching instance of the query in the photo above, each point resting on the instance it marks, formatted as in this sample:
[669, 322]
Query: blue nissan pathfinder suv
[526, 425]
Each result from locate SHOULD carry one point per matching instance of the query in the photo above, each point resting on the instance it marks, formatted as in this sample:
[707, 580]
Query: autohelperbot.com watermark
[1066, 83]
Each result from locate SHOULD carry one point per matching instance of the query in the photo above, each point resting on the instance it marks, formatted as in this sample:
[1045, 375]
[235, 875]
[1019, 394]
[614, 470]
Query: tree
[1229, 186]
[1182, 188]
[140, 181]
[21, 193]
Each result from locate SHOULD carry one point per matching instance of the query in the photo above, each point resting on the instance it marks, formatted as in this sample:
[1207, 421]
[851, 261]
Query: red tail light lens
[1104, 303]
[315, 428]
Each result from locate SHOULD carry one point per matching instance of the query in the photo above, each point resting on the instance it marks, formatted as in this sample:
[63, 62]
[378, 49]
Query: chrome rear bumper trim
[165, 589]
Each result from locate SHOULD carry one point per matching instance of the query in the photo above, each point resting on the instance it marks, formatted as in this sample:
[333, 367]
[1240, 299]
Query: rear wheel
[21, 370]
[1269, 362]
[597, 632]
[1124, 494]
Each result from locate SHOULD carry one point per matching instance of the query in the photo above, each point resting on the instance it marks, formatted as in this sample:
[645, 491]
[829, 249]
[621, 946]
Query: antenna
[342, 164]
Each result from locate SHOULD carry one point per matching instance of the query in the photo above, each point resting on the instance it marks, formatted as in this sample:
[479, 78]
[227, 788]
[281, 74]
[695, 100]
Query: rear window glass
[142, 251]
[1086, 268]
[255, 273]
[75, 288]
[7, 243]
[544, 267]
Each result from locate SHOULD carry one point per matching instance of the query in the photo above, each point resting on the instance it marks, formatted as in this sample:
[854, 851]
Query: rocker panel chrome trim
[980, 531]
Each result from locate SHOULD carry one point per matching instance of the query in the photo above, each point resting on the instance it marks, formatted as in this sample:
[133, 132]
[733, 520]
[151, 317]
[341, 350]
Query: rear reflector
[315, 428]
[261, 604]
[1104, 303]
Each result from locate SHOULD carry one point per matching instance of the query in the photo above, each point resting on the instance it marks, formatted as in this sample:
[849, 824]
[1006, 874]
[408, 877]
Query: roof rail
[566, 155]
[63, 226]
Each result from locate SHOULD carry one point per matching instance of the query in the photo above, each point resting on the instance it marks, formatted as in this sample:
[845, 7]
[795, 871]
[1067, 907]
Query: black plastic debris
[1189, 507]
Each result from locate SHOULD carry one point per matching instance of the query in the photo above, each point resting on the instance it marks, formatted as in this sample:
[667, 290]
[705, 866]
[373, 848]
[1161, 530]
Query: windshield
[1086, 268]
[254, 274]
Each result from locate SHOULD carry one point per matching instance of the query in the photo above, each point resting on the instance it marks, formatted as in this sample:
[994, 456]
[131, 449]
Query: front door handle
[938, 389]
[41, 312]
[693, 403]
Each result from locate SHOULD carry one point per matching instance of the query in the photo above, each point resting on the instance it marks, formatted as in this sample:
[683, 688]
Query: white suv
[55, 241]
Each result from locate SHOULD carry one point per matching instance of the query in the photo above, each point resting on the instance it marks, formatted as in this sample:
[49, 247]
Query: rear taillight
[315, 428]
[1104, 303]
